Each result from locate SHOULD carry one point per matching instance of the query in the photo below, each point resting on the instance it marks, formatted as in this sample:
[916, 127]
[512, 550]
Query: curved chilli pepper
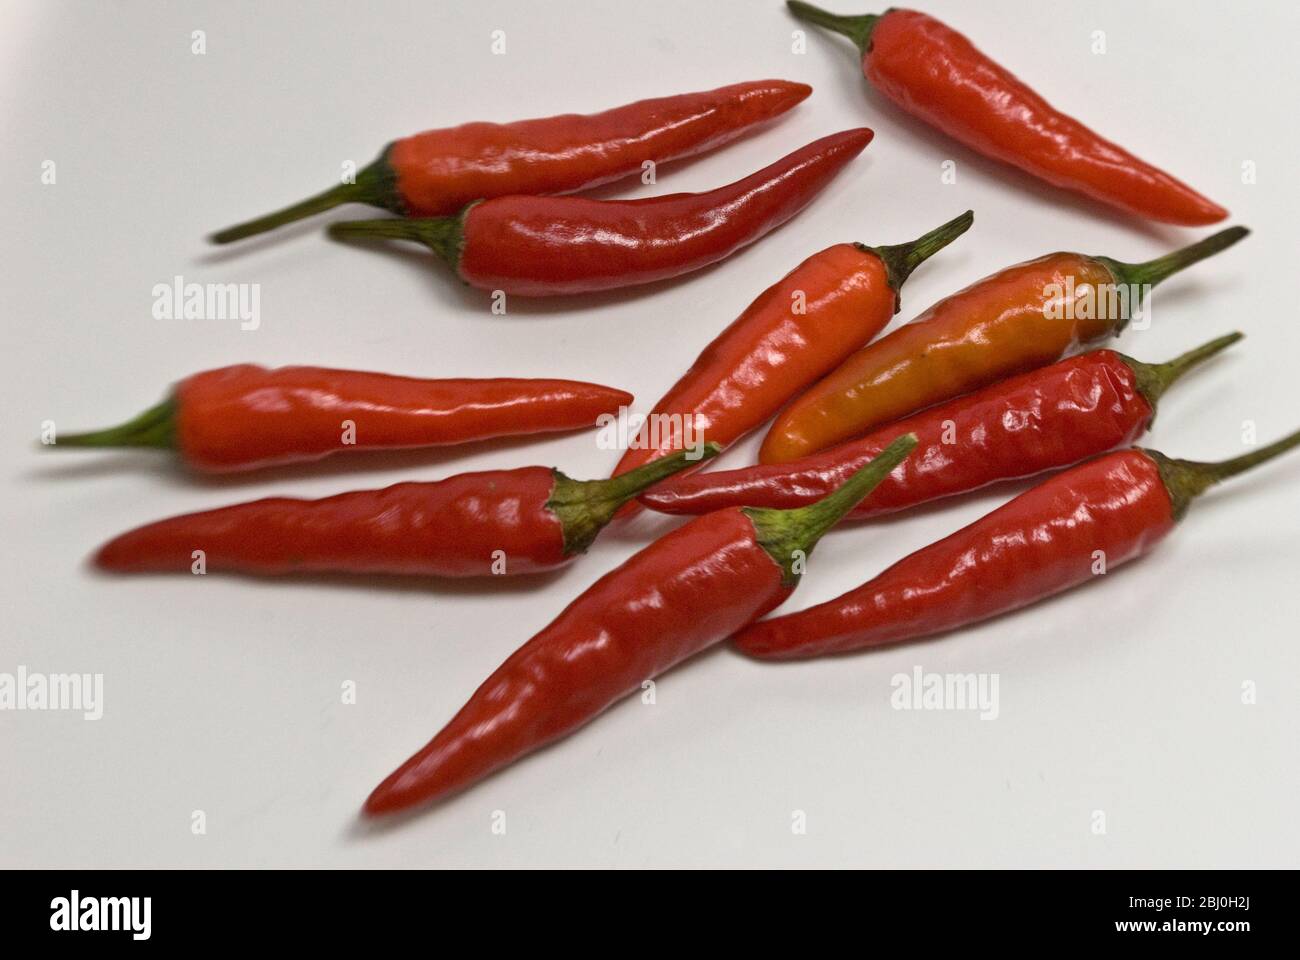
[796, 331]
[686, 591]
[1018, 319]
[474, 524]
[1041, 420]
[1041, 543]
[935, 73]
[245, 416]
[439, 171]
[543, 246]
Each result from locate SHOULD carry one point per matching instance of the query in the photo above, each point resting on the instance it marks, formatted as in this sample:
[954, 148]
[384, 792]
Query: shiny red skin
[1042, 420]
[542, 246]
[686, 591]
[245, 416]
[1039, 544]
[451, 528]
[935, 73]
[770, 353]
[439, 171]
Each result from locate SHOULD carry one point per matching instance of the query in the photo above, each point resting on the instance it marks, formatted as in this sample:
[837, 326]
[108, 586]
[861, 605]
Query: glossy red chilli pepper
[686, 591]
[439, 171]
[541, 246]
[1038, 421]
[492, 522]
[1109, 510]
[795, 332]
[244, 417]
[1020, 318]
[935, 73]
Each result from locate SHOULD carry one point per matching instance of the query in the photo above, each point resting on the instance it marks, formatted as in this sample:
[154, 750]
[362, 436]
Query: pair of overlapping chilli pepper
[508, 233]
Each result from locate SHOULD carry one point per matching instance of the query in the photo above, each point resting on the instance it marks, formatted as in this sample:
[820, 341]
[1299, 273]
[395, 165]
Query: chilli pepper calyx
[1187, 479]
[1153, 379]
[789, 536]
[156, 428]
[374, 184]
[900, 259]
[1143, 276]
[445, 236]
[856, 28]
[584, 507]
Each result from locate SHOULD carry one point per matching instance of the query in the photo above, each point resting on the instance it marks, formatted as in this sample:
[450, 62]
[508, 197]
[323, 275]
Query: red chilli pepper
[245, 417]
[795, 332]
[1042, 420]
[1043, 542]
[439, 171]
[475, 524]
[686, 591]
[935, 73]
[542, 246]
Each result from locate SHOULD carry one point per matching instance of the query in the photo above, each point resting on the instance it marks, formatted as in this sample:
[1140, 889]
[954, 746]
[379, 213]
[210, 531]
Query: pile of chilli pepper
[1005, 380]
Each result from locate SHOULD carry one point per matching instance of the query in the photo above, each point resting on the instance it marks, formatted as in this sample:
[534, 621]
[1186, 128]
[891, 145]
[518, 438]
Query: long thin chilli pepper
[935, 73]
[1042, 420]
[437, 172]
[543, 246]
[1114, 509]
[686, 591]
[794, 332]
[244, 417]
[495, 522]
[1021, 318]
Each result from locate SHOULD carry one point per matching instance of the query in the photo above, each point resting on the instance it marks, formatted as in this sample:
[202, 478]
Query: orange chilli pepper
[1018, 319]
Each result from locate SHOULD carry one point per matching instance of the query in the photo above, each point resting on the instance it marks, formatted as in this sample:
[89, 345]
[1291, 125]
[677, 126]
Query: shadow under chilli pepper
[245, 417]
[1042, 420]
[935, 73]
[683, 593]
[1018, 319]
[437, 172]
[546, 246]
[1113, 508]
[490, 523]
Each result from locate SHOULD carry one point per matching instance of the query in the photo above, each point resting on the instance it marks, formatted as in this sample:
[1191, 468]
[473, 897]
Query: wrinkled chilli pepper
[935, 73]
[796, 331]
[437, 172]
[1020, 318]
[474, 524]
[244, 417]
[541, 246]
[1041, 543]
[1041, 420]
[688, 590]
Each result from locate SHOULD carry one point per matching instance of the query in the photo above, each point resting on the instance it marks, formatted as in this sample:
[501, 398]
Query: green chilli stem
[902, 258]
[1161, 268]
[1188, 479]
[445, 236]
[790, 535]
[858, 29]
[586, 506]
[156, 427]
[375, 184]
[1153, 379]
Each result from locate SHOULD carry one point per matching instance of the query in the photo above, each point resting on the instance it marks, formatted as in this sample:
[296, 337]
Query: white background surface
[223, 694]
